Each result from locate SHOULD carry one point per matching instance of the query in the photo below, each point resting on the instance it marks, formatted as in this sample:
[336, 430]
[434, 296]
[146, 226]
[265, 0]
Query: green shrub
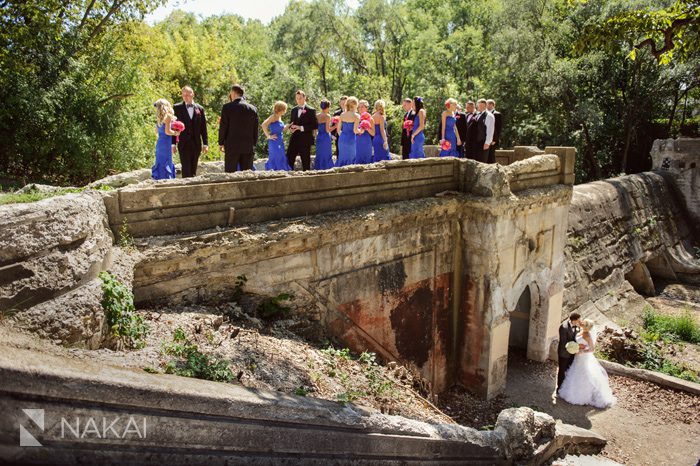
[118, 303]
[273, 307]
[191, 362]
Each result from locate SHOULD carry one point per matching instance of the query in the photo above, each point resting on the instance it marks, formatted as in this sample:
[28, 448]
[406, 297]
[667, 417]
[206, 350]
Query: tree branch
[87, 13]
[116, 97]
[668, 38]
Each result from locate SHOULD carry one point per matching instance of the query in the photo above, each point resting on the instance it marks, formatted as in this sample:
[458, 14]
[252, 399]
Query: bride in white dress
[586, 381]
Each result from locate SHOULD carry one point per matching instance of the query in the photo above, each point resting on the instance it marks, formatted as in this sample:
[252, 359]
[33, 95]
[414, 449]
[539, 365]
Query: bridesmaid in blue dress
[348, 128]
[418, 133]
[164, 168]
[324, 146]
[364, 137]
[381, 138]
[273, 127]
[449, 131]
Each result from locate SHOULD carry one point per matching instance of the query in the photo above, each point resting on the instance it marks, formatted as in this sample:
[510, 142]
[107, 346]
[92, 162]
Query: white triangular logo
[25, 438]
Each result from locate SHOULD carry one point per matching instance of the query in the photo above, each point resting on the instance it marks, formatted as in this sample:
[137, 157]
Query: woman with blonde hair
[273, 127]
[449, 138]
[586, 381]
[381, 138]
[348, 128]
[164, 168]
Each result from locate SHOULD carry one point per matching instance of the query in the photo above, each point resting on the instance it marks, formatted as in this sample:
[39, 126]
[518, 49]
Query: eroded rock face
[615, 224]
[51, 253]
[525, 430]
[50, 247]
[531, 437]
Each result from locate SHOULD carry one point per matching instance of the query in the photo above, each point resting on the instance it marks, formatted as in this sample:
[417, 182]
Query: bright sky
[263, 10]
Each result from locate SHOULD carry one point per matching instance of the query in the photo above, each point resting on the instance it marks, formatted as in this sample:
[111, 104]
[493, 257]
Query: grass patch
[34, 195]
[683, 327]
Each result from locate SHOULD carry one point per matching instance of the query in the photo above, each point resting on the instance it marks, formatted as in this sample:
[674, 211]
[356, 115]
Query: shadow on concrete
[532, 383]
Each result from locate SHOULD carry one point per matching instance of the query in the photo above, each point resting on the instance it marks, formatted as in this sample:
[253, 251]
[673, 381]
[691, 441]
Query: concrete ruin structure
[442, 264]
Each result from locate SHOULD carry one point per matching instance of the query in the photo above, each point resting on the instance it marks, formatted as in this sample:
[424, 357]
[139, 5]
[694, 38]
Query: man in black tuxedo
[409, 114]
[337, 113]
[194, 139]
[238, 131]
[484, 131]
[567, 333]
[498, 124]
[302, 126]
[470, 143]
[461, 125]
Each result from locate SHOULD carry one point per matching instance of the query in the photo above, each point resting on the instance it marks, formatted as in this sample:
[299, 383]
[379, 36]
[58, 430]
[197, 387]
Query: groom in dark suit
[567, 333]
[194, 139]
[238, 131]
[302, 127]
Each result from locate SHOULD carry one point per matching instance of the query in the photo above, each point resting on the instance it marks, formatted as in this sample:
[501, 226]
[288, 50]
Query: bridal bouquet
[572, 347]
[446, 145]
[365, 124]
[177, 126]
[365, 116]
[408, 124]
[335, 120]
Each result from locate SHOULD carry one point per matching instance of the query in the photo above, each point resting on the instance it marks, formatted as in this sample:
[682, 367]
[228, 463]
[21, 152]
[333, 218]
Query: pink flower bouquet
[177, 126]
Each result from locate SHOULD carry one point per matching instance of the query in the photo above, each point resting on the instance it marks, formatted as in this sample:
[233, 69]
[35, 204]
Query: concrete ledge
[153, 208]
[181, 421]
[651, 376]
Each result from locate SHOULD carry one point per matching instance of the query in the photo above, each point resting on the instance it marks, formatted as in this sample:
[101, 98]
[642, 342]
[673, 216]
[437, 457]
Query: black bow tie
[190, 105]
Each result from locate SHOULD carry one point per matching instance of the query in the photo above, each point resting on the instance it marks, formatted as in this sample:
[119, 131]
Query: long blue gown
[417, 151]
[277, 157]
[379, 152]
[347, 145]
[450, 136]
[364, 148]
[164, 167]
[324, 148]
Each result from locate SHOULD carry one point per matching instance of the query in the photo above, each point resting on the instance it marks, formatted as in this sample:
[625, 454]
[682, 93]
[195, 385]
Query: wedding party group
[581, 380]
[360, 137]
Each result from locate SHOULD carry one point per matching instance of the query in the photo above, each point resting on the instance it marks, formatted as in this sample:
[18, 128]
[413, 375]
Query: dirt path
[649, 425]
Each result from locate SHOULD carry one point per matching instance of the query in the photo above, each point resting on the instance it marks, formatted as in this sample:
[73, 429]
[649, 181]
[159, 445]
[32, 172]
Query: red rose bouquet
[446, 145]
[365, 124]
[335, 120]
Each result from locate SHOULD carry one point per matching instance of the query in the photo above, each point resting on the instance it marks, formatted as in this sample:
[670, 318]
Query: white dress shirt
[190, 110]
[301, 128]
[490, 126]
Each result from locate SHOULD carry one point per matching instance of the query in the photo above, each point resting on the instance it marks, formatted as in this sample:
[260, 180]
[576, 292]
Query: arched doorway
[520, 323]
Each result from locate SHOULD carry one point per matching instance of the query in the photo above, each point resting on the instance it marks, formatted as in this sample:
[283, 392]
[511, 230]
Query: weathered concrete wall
[429, 281]
[679, 161]
[619, 224]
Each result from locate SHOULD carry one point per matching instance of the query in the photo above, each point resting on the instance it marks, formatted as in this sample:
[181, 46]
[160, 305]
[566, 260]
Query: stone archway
[520, 322]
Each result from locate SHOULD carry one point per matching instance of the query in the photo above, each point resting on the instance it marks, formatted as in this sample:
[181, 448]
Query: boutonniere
[457, 117]
[303, 110]
[196, 111]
